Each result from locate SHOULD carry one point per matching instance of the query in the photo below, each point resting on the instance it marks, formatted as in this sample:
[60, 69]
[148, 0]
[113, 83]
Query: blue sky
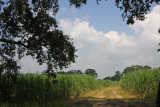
[104, 41]
[104, 17]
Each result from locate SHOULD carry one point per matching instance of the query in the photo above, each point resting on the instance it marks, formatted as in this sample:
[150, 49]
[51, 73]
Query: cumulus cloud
[111, 51]
[108, 52]
[150, 25]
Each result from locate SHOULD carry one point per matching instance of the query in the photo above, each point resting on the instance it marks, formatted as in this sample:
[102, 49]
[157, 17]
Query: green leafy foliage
[28, 28]
[143, 83]
[41, 88]
[116, 77]
[91, 72]
[61, 72]
[7, 83]
[77, 3]
[7, 80]
[74, 72]
[132, 9]
[135, 9]
[134, 68]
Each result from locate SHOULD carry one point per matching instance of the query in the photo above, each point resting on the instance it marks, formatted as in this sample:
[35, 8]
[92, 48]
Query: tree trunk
[158, 97]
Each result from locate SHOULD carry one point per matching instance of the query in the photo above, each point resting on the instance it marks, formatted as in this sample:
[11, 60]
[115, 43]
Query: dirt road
[111, 96]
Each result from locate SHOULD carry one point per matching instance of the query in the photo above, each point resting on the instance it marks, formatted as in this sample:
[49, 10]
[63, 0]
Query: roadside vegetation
[49, 89]
[42, 89]
[28, 29]
[143, 83]
[132, 68]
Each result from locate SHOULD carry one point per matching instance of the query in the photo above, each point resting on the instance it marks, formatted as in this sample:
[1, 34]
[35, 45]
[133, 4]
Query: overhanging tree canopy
[132, 9]
[29, 27]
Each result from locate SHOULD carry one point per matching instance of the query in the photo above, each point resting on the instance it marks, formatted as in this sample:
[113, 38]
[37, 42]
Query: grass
[142, 83]
[34, 89]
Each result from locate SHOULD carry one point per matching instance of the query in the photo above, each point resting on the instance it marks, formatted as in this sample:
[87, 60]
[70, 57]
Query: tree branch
[13, 42]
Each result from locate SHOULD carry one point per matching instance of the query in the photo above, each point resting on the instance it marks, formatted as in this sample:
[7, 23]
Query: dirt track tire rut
[112, 96]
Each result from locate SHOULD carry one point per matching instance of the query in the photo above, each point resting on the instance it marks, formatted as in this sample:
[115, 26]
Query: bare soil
[112, 96]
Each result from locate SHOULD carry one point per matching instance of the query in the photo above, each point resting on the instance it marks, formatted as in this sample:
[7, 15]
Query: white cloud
[108, 52]
[111, 51]
[149, 26]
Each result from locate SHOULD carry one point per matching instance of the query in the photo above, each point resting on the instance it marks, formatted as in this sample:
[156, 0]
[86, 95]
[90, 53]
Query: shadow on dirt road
[102, 102]
[112, 96]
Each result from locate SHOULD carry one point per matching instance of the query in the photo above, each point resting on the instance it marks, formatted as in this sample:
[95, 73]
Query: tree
[132, 9]
[135, 68]
[78, 72]
[135, 9]
[107, 78]
[70, 72]
[74, 72]
[146, 67]
[61, 72]
[27, 28]
[91, 72]
[116, 77]
[7, 81]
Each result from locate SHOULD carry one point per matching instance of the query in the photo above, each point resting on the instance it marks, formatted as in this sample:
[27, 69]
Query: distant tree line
[116, 77]
[90, 72]
[132, 68]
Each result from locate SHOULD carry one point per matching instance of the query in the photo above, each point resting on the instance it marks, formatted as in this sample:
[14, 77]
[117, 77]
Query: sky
[104, 41]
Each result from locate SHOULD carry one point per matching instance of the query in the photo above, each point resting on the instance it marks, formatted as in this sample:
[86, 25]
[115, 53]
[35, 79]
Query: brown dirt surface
[112, 96]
